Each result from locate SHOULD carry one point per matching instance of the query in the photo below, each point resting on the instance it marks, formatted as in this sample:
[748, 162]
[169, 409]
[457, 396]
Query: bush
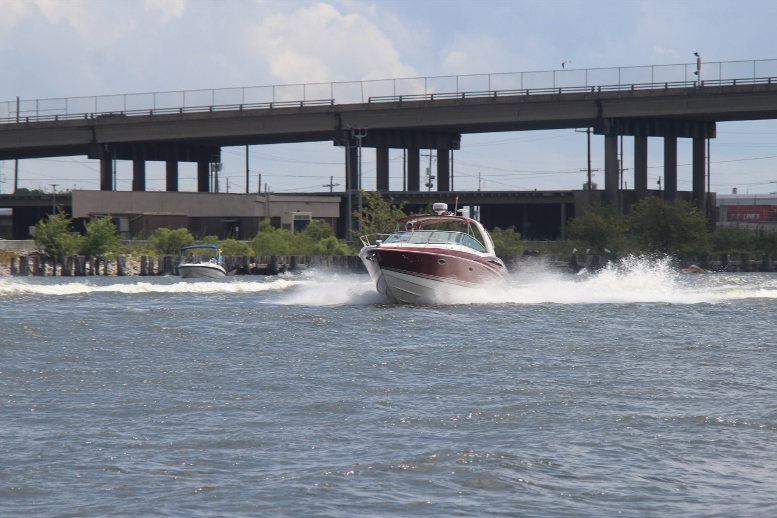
[101, 236]
[235, 247]
[378, 216]
[599, 230]
[507, 242]
[169, 242]
[668, 227]
[54, 235]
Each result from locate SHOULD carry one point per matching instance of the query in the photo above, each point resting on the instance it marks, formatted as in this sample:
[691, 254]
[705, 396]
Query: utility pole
[16, 162]
[429, 176]
[54, 198]
[331, 184]
[359, 134]
[587, 131]
[452, 170]
[247, 180]
[404, 170]
[349, 192]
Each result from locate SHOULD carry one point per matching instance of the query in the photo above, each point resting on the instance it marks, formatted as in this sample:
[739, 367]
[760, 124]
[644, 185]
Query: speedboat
[209, 263]
[433, 258]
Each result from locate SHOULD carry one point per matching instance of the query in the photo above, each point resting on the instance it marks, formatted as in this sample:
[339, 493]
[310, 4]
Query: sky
[83, 48]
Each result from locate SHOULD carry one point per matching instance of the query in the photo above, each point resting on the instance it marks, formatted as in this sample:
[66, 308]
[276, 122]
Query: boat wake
[634, 280]
[60, 286]
[637, 280]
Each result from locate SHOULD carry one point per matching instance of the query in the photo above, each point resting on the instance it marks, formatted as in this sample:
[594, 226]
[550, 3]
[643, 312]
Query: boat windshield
[436, 237]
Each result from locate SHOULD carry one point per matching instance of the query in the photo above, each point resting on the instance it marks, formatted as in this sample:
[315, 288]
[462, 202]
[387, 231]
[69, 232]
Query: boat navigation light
[440, 208]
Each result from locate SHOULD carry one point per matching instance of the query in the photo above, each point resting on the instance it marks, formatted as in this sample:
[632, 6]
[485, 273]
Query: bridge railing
[565, 80]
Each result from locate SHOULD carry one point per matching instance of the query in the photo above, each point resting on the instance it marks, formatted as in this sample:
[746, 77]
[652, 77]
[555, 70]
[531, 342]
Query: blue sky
[73, 48]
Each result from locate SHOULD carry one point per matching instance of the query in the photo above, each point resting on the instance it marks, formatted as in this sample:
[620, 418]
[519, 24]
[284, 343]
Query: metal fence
[350, 92]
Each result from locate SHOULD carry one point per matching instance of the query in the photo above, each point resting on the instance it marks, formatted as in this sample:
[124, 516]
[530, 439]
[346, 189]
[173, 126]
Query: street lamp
[698, 68]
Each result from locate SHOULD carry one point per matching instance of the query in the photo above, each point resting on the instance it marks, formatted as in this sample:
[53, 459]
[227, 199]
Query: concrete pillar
[172, 175]
[382, 166]
[106, 172]
[138, 175]
[611, 169]
[670, 168]
[640, 166]
[203, 176]
[413, 170]
[443, 170]
[699, 166]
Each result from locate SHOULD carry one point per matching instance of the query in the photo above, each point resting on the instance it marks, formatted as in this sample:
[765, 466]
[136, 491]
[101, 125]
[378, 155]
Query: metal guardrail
[163, 111]
[381, 90]
[575, 89]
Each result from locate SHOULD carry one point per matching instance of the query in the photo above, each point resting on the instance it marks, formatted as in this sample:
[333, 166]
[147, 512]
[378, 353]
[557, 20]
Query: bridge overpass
[674, 101]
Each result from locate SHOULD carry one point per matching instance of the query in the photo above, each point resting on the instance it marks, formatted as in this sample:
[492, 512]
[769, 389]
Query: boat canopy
[198, 246]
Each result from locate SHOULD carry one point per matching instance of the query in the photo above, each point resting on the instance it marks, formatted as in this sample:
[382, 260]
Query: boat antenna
[456, 206]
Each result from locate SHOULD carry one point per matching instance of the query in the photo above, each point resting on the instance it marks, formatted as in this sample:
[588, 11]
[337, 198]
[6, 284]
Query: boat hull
[201, 271]
[430, 275]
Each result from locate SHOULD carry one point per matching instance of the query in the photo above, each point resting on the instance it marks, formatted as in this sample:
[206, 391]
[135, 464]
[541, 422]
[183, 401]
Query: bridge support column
[670, 168]
[699, 157]
[611, 169]
[172, 175]
[382, 166]
[413, 170]
[640, 166]
[203, 176]
[138, 175]
[106, 172]
[443, 170]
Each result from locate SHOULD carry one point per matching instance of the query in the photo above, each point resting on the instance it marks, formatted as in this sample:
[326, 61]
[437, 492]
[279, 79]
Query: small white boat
[433, 258]
[209, 263]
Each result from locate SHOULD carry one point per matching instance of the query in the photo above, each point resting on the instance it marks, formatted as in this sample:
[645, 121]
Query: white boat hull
[201, 271]
[416, 287]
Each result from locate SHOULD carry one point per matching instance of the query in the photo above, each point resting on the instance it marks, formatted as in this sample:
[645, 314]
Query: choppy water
[633, 391]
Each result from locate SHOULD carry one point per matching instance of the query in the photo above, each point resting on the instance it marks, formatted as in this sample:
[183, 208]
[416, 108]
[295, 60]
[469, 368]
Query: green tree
[169, 242]
[208, 240]
[600, 229]
[765, 242]
[235, 247]
[318, 239]
[378, 216]
[54, 235]
[507, 242]
[101, 235]
[273, 241]
[668, 227]
[732, 241]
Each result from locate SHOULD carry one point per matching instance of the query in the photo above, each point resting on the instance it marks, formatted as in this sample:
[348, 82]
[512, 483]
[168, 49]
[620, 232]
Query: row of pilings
[81, 266]
[65, 266]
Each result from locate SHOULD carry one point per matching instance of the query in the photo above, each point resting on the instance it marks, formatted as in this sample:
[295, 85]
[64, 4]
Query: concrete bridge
[674, 101]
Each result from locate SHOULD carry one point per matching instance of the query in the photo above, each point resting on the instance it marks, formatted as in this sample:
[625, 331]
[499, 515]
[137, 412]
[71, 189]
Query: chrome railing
[350, 92]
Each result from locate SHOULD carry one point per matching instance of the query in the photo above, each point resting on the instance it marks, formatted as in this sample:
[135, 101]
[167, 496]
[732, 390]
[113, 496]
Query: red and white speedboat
[433, 258]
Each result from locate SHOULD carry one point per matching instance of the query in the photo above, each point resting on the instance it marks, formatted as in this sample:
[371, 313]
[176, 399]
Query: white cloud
[13, 11]
[170, 8]
[321, 44]
[476, 54]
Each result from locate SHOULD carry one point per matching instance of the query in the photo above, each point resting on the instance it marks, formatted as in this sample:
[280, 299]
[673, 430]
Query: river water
[634, 391]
